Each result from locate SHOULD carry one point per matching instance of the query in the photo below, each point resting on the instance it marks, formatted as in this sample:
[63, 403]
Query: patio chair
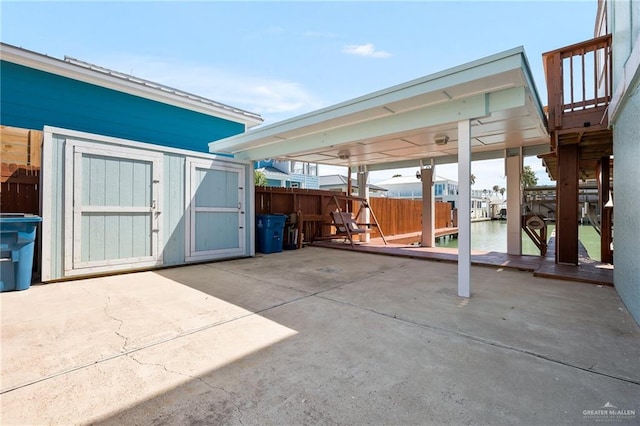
[346, 225]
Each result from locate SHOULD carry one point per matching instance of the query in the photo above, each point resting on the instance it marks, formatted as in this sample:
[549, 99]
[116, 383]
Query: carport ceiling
[399, 126]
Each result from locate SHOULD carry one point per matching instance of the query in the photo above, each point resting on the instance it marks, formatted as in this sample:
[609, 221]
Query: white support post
[514, 206]
[428, 208]
[363, 192]
[464, 208]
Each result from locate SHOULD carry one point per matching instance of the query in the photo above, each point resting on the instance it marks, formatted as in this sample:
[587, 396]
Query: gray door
[216, 218]
[115, 208]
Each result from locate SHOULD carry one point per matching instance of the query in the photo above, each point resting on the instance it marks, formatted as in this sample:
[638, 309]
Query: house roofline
[104, 77]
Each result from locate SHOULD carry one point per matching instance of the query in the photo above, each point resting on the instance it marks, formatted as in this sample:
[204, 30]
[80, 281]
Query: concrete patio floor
[318, 336]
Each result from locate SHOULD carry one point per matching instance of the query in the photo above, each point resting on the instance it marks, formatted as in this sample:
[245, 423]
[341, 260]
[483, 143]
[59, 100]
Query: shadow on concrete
[372, 339]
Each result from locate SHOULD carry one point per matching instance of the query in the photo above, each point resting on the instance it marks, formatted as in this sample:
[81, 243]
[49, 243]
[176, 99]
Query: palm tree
[259, 178]
[528, 177]
[473, 179]
[502, 191]
[496, 189]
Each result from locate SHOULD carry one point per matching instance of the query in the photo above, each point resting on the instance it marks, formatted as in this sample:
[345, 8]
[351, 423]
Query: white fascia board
[92, 137]
[474, 107]
[533, 92]
[496, 64]
[65, 69]
[470, 108]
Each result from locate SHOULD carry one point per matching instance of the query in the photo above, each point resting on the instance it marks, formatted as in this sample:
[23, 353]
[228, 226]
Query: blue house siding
[32, 99]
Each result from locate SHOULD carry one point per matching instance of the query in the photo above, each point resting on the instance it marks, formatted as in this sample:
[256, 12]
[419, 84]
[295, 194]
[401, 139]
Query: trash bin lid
[19, 218]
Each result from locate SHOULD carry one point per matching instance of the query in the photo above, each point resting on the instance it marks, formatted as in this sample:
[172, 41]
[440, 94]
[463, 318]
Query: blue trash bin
[269, 232]
[17, 244]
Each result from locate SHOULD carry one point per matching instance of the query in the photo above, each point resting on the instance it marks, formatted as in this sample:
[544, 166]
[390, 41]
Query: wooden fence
[400, 216]
[20, 170]
[395, 216]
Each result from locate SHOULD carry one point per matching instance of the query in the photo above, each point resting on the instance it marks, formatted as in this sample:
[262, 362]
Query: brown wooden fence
[395, 216]
[400, 216]
[20, 170]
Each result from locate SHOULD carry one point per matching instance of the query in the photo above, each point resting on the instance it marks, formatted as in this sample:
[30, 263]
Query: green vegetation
[259, 178]
[528, 177]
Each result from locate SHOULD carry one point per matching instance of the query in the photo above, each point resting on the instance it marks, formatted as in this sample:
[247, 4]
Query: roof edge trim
[118, 81]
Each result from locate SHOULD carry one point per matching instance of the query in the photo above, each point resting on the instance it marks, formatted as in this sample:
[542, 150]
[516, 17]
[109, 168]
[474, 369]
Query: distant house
[127, 181]
[444, 190]
[289, 174]
[339, 183]
[402, 187]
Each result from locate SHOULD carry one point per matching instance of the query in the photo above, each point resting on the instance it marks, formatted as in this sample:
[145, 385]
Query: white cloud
[273, 98]
[367, 50]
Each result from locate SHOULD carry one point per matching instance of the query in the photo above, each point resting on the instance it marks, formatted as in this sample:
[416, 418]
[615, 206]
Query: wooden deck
[589, 271]
[415, 237]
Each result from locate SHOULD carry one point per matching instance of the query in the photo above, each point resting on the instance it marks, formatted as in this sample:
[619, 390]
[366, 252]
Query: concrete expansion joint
[373, 274]
[130, 352]
[121, 322]
[339, 285]
[252, 277]
[447, 332]
[192, 377]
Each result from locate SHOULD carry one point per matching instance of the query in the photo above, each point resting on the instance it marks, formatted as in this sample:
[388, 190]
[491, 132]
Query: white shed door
[115, 220]
[216, 216]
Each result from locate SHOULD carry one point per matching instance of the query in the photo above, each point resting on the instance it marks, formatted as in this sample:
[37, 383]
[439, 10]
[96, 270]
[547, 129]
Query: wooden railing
[579, 85]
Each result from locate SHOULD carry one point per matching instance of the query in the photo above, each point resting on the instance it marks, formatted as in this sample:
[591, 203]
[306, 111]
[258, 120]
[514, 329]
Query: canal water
[491, 235]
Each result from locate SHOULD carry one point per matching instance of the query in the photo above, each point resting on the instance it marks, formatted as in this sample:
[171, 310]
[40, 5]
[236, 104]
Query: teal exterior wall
[624, 22]
[626, 175]
[32, 99]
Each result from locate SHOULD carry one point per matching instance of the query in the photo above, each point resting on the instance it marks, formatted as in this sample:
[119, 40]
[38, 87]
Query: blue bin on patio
[17, 244]
[269, 232]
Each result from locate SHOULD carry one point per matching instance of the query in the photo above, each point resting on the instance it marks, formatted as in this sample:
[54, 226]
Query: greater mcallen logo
[609, 413]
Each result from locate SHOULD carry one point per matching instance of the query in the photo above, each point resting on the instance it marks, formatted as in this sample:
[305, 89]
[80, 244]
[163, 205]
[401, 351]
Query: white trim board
[89, 137]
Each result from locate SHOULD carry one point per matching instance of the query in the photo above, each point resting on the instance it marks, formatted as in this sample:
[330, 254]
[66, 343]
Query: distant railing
[579, 84]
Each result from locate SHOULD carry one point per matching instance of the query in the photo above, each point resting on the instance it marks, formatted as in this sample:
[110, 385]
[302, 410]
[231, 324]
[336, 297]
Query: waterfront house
[444, 190]
[340, 183]
[289, 174]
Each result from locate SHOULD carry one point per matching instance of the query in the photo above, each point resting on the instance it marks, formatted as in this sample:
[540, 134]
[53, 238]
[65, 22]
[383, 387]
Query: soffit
[398, 126]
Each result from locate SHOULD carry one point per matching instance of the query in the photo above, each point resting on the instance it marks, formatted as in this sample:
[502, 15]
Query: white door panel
[114, 220]
[215, 211]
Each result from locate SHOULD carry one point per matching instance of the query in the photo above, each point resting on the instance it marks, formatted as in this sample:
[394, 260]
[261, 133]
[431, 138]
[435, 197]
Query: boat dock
[588, 271]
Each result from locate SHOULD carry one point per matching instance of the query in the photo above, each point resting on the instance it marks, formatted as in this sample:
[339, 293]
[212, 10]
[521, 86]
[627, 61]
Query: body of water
[492, 236]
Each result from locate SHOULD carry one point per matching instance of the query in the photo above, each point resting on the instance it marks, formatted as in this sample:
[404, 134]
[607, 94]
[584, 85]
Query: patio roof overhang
[398, 126]
[485, 109]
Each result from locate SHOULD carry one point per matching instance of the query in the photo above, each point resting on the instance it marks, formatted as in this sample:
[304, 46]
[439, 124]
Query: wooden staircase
[579, 87]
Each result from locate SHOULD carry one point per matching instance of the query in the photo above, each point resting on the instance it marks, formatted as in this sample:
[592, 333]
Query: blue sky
[281, 59]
